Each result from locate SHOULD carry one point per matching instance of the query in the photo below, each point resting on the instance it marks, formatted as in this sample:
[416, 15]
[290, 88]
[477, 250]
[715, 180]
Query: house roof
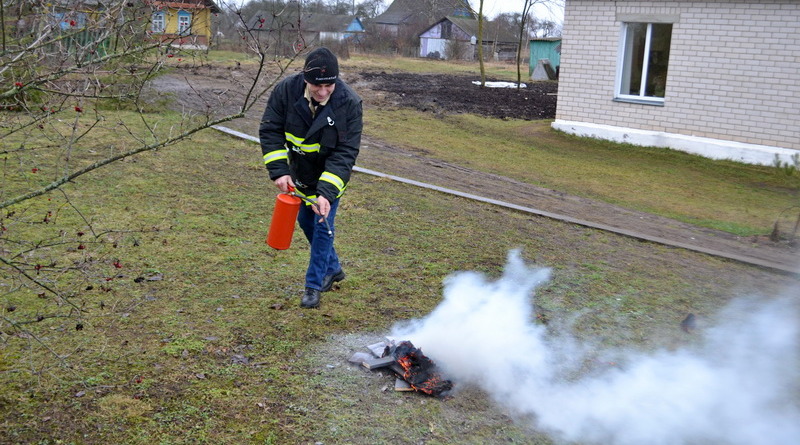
[414, 11]
[188, 4]
[71, 4]
[315, 22]
[330, 22]
[470, 26]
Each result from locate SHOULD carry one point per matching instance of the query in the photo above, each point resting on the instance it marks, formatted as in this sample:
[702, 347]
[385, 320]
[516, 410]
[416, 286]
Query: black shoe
[310, 298]
[327, 282]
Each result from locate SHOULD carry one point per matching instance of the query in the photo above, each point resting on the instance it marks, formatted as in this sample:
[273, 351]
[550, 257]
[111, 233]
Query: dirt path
[430, 92]
[397, 161]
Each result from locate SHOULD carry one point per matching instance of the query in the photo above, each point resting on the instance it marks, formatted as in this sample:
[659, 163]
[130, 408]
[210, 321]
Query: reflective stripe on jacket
[319, 153]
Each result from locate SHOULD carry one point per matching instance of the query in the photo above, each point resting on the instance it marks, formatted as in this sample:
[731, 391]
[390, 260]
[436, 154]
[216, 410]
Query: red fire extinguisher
[281, 228]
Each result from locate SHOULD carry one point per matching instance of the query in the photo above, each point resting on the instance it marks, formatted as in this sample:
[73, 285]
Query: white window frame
[184, 23]
[63, 20]
[158, 22]
[624, 55]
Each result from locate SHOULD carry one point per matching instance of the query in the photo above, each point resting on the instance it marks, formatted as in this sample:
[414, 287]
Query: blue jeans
[323, 259]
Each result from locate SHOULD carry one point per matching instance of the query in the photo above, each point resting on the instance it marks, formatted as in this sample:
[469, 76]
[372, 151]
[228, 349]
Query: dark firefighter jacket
[319, 154]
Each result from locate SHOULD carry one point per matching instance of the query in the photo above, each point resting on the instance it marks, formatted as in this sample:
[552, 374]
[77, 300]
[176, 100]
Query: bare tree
[480, 43]
[456, 50]
[369, 9]
[524, 34]
[545, 28]
[65, 76]
[526, 7]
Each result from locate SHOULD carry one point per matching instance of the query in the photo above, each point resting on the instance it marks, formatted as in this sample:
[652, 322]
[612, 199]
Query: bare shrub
[73, 100]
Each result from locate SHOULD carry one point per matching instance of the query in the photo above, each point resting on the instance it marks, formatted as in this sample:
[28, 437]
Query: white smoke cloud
[740, 386]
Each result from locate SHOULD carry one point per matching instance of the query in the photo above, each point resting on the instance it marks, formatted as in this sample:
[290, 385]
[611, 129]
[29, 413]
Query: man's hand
[323, 206]
[285, 183]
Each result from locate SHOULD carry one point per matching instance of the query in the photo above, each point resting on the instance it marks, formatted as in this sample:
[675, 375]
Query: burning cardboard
[419, 371]
[414, 370]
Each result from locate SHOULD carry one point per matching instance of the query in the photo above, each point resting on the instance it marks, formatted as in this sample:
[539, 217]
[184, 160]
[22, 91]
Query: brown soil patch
[459, 94]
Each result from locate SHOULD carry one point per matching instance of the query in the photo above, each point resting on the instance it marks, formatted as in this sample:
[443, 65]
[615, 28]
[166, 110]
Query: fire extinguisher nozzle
[327, 225]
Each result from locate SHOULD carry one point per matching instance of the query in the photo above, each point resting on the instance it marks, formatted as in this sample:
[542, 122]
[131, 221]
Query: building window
[644, 57]
[70, 21]
[184, 23]
[447, 30]
[157, 22]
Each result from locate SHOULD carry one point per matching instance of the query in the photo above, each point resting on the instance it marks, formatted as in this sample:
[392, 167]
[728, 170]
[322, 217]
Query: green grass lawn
[742, 199]
[189, 325]
[734, 197]
[175, 323]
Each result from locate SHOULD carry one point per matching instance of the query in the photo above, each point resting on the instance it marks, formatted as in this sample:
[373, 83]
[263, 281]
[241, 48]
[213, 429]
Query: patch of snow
[500, 84]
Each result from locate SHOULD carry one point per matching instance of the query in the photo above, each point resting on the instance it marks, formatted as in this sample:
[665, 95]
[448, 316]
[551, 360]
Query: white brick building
[720, 78]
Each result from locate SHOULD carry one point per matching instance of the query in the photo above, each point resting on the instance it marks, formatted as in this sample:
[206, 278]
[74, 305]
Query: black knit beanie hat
[321, 67]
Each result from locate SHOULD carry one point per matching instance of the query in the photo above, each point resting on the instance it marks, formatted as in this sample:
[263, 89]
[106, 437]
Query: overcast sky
[493, 7]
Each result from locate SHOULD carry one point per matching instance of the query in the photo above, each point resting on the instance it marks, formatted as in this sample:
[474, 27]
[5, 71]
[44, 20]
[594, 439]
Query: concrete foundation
[710, 148]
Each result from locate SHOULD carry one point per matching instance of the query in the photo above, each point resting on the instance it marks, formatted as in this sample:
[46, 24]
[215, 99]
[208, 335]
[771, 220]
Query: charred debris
[413, 370]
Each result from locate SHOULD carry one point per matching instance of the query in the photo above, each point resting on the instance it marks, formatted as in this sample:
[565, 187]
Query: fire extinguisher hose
[313, 203]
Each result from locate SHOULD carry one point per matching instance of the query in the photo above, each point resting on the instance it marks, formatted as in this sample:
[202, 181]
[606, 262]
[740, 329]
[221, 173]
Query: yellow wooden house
[186, 23]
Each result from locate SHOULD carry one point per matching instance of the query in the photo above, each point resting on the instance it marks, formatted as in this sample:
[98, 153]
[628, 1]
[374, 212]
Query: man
[310, 136]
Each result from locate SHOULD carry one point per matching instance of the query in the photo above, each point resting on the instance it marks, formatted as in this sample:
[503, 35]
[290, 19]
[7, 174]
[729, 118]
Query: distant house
[328, 27]
[297, 33]
[412, 16]
[280, 31]
[456, 38]
[185, 23]
[684, 74]
[71, 19]
[71, 16]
